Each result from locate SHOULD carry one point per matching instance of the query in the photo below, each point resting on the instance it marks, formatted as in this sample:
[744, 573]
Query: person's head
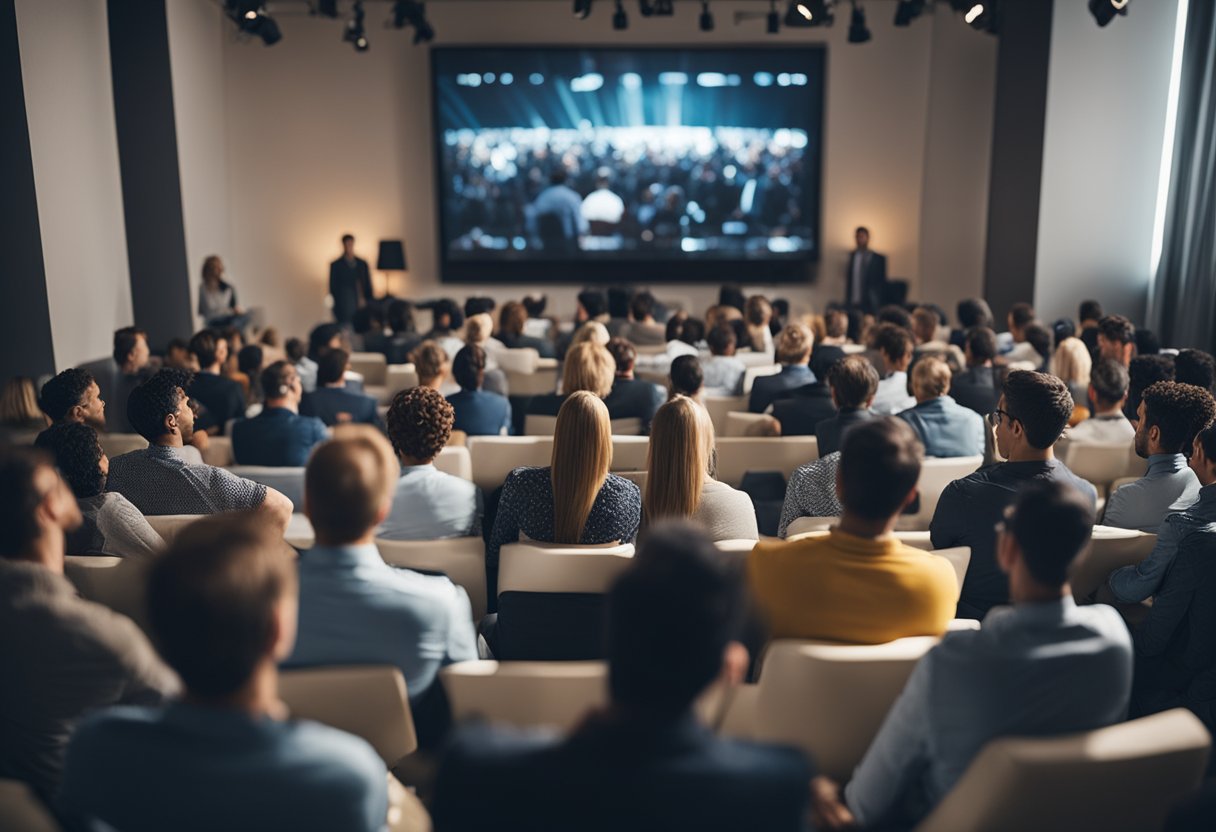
[535, 305]
[558, 176]
[930, 378]
[1195, 367]
[249, 360]
[618, 302]
[213, 271]
[1090, 312]
[366, 320]
[36, 508]
[854, 381]
[235, 339]
[430, 362]
[478, 328]
[419, 423]
[512, 318]
[446, 315]
[624, 354]
[679, 459]
[469, 367]
[582, 455]
[836, 323]
[758, 311]
[894, 343]
[733, 297]
[177, 354]
[1108, 385]
[1039, 337]
[269, 337]
[19, 403]
[1116, 339]
[1063, 329]
[721, 340]
[401, 317]
[592, 303]
[592, 332]
[1021, 315]
[322, 338]
[1169, 416]
[793, 344]
[1044, 531]
[1147, 342]
[210, 350]
[159, 410]
[1203, 455]
[673, 619]
[222, 604]
[686, 376]
[879, 468]
[78, 455]
[589, 367]
[348, 245]
[641, 306]
[692, 331]
[924, 324]
[479, 306]
[974, 312]
[1031, 413]
[281, 385]
[331, 369]
[349, 484]
[862, 237]
[73, 396]
[980, 346]
[895, 314]
[131, 351]
[295, 349]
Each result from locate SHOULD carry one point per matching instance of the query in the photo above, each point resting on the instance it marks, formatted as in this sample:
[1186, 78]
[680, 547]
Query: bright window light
[1167, 144]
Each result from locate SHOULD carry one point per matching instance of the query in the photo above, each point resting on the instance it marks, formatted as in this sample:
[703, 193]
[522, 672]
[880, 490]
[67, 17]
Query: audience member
[757, 314]
[1071, 361]
[428, 503]
[1170, 415]
[220, 397]
[1196, 367]
[160, 480]
[279, 435]
[924, 329]
[972, 313]
[853, 382]
[631, 398]
[63, 657]
[478, 412]
[404, 337]
[895, 314]
[332, 402]
[686, 378]
[1042, 667]
[446, 322]
[811, 492]
[479, 332]
[801, 410]
[305, 366]
[679, 478]
[859, 584]
[979, 386]
[249, 365]
[110, 524]
[894, 345]
[644, 762]
[828, 350]
[20, 416]
[945, 427]
[588, 366]
[1117, 339]
[323, 338]
[512, 319]
[179, 357]
[74, 396]
[222, 605]
[1021, 316]
[354, 607]
[1041, 340]
[128, 365]
[1142, 373]
[1029, 418]
[643, 330]
[792, 350]
[430, 360]
[1090, 314]
[1108, 392]
[1147, 342]
[722, 370]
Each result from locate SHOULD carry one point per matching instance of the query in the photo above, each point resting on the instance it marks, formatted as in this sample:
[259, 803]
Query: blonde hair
[478, 328]
[19, 403]
[715, 315]
[794, 343]
[678, 461]
[430, 362]
[582, 455]
[593, 332]
[588, 367]
[930, 378]
[1071, 362]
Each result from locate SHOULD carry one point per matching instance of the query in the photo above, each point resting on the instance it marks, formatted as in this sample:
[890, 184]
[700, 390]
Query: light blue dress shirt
[892, 395]
[356, 609]
[1169, 486]
[1133, 584]
[946, 428]
[429, 504]
[723, 375]
[1033, 670]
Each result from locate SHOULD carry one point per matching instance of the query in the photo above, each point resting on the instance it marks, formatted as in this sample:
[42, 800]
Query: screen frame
[576, 271]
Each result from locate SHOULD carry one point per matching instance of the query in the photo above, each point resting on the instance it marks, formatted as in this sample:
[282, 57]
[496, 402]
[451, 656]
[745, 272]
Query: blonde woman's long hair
[582, 455]
[678, 461]
[588, 367]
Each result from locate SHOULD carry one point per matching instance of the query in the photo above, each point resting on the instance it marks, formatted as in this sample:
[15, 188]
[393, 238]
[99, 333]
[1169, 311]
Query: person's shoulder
[621, 485]
[335, 757]
[527, 475]
[759, 769]
[106, 730]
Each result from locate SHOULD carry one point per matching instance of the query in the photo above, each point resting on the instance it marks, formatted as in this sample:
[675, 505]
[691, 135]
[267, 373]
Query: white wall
[1106, 104]
[65, 66]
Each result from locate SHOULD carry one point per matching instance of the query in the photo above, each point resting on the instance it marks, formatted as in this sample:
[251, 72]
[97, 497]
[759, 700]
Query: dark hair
[1190, 367]
[419, 423]
[720, 339]
[332, 366]
[557, 176]
[836, 323]
[535, 306]
[973, 312]
[623, 353]
[124, 341]
[177, 344]
[879, 465]
[319, 338]
[274, 379]
[77, 455]
[1090, 310]
[686, 375]
[1207, 438]
[982, 342]
[854, 381]
[366, 319]
[1118, 329]
[732, 296]
[401, 316]
[641, 306]
[156, 398]
[618, 302]
[897, 315]
[63, 392]
[743, 339]
[1041, 402]
[861, 229]
[893, 341]
[1147, 342]
[294, 349]
[1039, 337]
[478, 305]
[1063, 328]
[205, 346]
[212, 598]
[1052, 522]
[348, 238]
[1179, 411]
[1021, 314]
[1109, 380]
[446, 308]
[593, 301]
[469, 367]
[249, 360]
[669, 620]
[1142, 372]
[19, 499]
[692, 331]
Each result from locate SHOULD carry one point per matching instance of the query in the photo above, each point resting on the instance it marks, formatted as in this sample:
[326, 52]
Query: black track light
[355, 33]
[1104, 11]
[620, 20]
[858, 33]
[706, 20]
[805, 13]
[646, 8]
[907, 11]
[582, 9]
[663, 8]
[773, 22]
[413, 13]
[251, 19]
[327, 8]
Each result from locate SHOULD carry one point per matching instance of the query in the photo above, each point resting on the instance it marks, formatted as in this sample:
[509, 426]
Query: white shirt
[1113, 427]
[892, 396]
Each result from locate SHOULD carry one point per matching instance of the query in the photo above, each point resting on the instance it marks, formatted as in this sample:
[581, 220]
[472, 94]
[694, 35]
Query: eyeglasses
[994, 418]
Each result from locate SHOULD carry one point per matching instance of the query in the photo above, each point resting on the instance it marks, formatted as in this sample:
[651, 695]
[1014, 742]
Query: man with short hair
[792, 350]
[333, 402]
[859, 584]
[129, 364]
[643, 329]
[1090, 314]
[894, 344]
[478, 412]
[222, 607]
[1170, 415]
[221, 398]
[866, 278]
[979, 386]
[160, 480]
[1042, 667]
[428, 503]
[278, 436]
[1021, 317]
[945, 427]
[1196, 367]
[74, 396]
[350, 283]
[63, 657]
[1142, 373]
[723, 371]
[1116, 339]
[644, 761]
[853, 382]
[631, 398]
[1108, 391]
[1030, 416]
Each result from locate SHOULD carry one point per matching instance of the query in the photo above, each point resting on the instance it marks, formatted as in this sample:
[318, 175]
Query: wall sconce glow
[805, 11]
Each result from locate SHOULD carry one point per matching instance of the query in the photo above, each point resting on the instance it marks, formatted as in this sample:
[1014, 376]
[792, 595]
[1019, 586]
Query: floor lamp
[390, 259]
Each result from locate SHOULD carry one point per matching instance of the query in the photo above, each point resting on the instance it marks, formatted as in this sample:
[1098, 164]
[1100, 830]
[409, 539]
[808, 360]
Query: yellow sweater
[840, 587]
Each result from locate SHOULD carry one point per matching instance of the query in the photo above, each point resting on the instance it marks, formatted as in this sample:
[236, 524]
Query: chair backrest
[629, 452]
[626, 427]
[538, 381]
[22, 811]
[526, 694]
[169, 526]
[299, 532]
[959, 558]
[463, 559]
[830, 699]
[1123, 778]
[219, 451]
[523, 360]
[806, 525]
[455, 460]
[117, 444]
[398, 377]
[288, 481]
[118, 583]
[369, 701]
[537, 425]
[1109, 549]
[935, 474]
[739, 455]
[719, 406]
[737, 424]
[373, 366]
[1099, 462]
[754, 372]
[552, 567]
[496, 456]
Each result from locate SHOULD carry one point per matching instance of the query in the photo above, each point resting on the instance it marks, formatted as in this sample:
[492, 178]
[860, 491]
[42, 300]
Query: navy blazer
[804, 409]
[830, 432]
[481, 413]
[768, 389]
[276, 436]
[338, 405]
[631, 398]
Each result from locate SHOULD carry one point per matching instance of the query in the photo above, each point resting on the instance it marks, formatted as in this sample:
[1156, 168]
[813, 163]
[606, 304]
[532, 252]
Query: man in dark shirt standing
[866, 278]
[1030, 416]
[350, 282]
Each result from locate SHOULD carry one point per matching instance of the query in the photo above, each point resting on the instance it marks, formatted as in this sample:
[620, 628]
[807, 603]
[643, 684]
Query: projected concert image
[594, 155]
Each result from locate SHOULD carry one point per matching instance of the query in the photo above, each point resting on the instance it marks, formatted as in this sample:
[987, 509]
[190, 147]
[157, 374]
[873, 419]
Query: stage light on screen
[506, 79]
[631, 81]
[489, 77]
[711, 79]
[763, 79]
[673, 79]
[536, 79]
[590, 82]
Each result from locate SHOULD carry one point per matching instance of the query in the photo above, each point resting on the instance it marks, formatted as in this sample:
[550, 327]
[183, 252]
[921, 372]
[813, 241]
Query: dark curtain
[1182, 303]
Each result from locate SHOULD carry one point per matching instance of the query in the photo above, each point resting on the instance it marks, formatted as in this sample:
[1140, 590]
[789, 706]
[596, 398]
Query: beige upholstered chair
[373, 366]
[754, 372]
[935, 475]
[1099, 462]
[289, 481]
[117, 583]
[959, 558]
[219, 451]
[494, 457]
[738, 455]
[535, 425]
[169, 526]
[22, 811]
[1118, 779]
[463, 559]
[554, 567]
[526, 694]
[369, 701]
[527, 373]
[808, 525]
[398, 377]
[455, 460]
[629, 452]
[117, 444]
[719, 406]
[1110, 549]
[737, 424]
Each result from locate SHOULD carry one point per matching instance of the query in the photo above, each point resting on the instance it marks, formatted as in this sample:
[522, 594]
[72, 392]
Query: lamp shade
[391, 257]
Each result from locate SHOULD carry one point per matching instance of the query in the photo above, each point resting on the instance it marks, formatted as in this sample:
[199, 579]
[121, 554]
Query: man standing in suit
[866, 277]
[350, 282]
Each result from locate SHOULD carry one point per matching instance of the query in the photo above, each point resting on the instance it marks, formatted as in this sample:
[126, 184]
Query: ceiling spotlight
[251, 19]
[582, 9]
[663, 8]
[1104, 11]
[773, 24]
[355, 33]
[620, 20]
[804, 13]
[985, 16]
[413, 13]
[646, 8]
[706, 20]
[858, 33]
[907, 11]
